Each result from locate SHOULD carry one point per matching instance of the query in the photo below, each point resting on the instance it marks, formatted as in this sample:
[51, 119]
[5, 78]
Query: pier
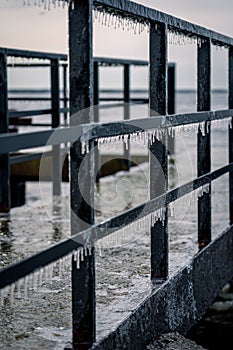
[172, 302]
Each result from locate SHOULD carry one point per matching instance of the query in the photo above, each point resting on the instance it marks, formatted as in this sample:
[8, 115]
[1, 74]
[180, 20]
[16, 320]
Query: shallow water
[43, 317]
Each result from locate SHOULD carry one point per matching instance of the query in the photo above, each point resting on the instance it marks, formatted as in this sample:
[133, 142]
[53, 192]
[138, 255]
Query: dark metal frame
[81, 96]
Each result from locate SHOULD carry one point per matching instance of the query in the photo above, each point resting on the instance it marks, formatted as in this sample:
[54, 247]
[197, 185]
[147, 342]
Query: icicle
[171, 209]
[85, 251]
[119, 20]
[12, 293]
[82, 254]
[76, 256]
[202, 189]
[202, 128]
[230, 122]
[60, 268]
[3, 293]
[89, 250]
[25, 287]
[41, 273]
[99, 247]
[177, 37]
[206, 188]
[35, 280]
[158, 215]
[222, 124]
[18, 288]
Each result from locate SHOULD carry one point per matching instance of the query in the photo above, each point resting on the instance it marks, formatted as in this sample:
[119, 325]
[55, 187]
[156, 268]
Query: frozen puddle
[60, 336]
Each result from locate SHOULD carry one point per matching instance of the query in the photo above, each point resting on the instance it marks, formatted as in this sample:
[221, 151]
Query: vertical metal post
[204, 144]
[4, 127]
[126, 162]
[82, 212]
[96, 90]
[158, 150]
[65, 91]
[230, 104]
[56, 160]
[171, 103]
[96, 117]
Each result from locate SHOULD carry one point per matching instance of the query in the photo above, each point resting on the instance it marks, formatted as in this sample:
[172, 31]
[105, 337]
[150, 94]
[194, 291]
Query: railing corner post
[82, 209]
[158, 150]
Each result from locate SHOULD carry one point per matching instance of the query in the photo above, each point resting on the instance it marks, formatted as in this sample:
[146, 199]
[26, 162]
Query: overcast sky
[34, 28]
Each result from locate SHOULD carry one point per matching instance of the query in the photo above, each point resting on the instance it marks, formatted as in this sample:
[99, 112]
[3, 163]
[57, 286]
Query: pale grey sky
[30, 27]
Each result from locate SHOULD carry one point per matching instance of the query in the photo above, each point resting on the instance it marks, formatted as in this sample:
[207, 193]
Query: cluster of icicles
[149, 136]
[48, 4]
[13, 60]
[33, 281]
[23, 288]
[108, 17]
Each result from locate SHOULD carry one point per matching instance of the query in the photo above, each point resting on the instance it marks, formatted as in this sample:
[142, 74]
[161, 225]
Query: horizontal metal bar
[26, 157]
[41, 125]
[30, 113]
[32, 54]
[147, 208]
[33, 65]
[101, 60]
[34, 99]
[33, 113]
[14, 272]
[119, 62]
[119, 91]
[12, 142]
[143, 13]
[30, 91]
[18, 270]
[106, 99]
[98, 130]
[26, 98]
[16, 159]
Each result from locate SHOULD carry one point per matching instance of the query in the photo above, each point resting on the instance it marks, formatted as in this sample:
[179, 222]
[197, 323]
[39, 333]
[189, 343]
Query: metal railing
[123, 95]
[81, 96]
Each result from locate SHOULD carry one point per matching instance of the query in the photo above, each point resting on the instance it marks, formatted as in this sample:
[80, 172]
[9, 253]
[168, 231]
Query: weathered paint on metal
[140, 12]
[204, 141]
[82, 209]
[158, 150]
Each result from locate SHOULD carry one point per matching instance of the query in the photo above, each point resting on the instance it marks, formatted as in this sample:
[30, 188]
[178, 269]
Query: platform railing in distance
[4, 128]
[54, 111]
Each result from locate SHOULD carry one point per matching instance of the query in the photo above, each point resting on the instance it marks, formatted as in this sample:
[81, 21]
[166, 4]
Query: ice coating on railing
[123, 20]
[22, 288]
[120, 21]
[148, 137]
